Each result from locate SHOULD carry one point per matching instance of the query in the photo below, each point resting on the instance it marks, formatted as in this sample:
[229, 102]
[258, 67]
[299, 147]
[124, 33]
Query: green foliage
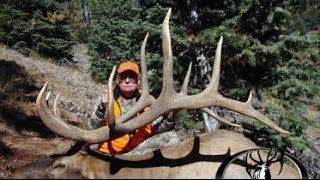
[290, 116]
[116, 34]
[110, 35]
[298, 111]
[189, 120]
[299, 72]
[14, 20]
[294, 142]
[262, 50]
[50, 38]
[306, 14]
[41, 26]
[21, 47]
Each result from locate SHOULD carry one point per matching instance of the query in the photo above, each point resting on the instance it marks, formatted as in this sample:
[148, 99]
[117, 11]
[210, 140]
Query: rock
[310, 158]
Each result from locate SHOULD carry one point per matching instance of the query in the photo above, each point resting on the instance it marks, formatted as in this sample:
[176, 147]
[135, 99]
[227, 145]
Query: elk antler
[167, 101]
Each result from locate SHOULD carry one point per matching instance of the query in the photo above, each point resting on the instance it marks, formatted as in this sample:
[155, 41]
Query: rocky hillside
[77, 88]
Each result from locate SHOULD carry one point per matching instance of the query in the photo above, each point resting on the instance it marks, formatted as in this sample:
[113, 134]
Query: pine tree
[41, 26]
[117, 31]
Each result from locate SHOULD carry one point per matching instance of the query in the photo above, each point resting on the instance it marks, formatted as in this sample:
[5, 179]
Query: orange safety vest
[128, 141]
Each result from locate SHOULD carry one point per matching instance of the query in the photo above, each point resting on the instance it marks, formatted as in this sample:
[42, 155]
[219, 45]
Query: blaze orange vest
[128, 141]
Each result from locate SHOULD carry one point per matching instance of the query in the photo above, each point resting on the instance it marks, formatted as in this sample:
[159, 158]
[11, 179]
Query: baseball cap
[128, 65]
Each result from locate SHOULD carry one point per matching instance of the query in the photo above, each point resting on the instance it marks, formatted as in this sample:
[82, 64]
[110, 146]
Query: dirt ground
[23, 137]
[18, 141]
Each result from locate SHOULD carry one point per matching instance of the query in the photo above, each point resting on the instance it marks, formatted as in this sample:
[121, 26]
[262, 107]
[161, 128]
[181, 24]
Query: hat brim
[122, 71]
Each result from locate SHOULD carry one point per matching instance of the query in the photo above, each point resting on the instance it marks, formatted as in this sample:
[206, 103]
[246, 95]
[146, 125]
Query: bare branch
[217, 117]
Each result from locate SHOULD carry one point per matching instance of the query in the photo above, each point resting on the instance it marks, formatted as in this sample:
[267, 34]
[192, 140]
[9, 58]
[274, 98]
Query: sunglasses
[133, 77]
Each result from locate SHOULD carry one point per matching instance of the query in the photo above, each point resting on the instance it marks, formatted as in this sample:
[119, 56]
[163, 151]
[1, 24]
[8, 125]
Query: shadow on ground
[18, 90]
[19, 121]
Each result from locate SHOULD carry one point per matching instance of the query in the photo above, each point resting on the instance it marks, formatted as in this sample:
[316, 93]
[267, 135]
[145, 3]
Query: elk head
[167, 101]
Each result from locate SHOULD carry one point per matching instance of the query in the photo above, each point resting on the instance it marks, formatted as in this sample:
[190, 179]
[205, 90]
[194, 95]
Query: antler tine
[143, 65]
[249, 101]
[186, 81]
[48, 97]
[55, 105]
[214, 83]
[162, 104]
[145, 100]
[206, 110]
[167, 86]
[211, 97]
[60, 127]
[111, 116]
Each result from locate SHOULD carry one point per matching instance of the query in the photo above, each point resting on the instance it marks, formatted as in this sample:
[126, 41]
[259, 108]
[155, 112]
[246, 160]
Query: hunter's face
[128, 82]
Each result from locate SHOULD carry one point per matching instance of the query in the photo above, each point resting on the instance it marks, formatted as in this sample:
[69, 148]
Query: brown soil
[23, 137]
[20, 148]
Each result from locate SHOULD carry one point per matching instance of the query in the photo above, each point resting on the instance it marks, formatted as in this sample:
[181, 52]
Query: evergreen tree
[116, 34]
[38, 25]
[114, 23]
[263, 50]
[261, 42]
[15, 24]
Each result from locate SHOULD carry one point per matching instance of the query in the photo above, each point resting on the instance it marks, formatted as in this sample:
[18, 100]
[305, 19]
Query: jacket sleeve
[96, 114]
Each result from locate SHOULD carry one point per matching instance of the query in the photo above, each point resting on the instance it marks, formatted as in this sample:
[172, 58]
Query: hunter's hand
[104, 96]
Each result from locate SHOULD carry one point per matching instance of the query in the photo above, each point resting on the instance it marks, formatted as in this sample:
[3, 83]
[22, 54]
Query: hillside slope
[75, 84]
[23, 137]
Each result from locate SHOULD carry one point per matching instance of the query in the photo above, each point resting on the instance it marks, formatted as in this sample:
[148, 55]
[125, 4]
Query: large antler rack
[167, 101]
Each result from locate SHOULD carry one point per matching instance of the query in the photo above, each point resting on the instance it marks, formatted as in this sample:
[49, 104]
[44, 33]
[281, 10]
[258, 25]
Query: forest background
[270, 47]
